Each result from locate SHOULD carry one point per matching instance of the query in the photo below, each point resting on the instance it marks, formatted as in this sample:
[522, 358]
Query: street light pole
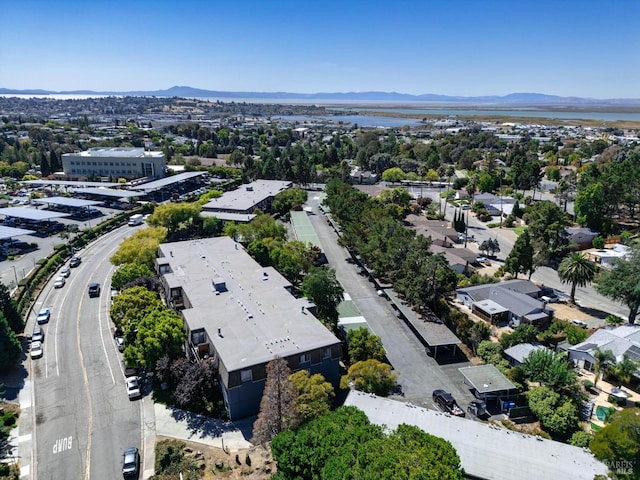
[15, 274]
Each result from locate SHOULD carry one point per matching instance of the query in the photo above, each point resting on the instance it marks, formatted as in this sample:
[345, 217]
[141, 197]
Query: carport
[108, 194]
[30, 214]
[431, 332]
[76, 206]
[487, 382]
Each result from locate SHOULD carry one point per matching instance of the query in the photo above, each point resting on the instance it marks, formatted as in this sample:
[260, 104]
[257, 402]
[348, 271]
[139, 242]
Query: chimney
[220, 332]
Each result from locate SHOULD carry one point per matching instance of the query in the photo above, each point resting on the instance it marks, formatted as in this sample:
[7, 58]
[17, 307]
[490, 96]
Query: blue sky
[584, 48]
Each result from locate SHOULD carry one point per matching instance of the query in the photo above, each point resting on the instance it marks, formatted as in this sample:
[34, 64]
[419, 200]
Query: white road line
[104, 346]
[64, 299]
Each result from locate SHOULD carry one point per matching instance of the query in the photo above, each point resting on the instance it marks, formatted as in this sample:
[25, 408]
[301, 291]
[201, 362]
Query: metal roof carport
[165, 182]
[66, 202]
[31, 213]
[432, 334]
[107, 192]
[487, 381]
[10, 232]
[64, 183]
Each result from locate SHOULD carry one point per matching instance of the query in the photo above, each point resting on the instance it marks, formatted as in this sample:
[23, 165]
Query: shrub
[587, 384]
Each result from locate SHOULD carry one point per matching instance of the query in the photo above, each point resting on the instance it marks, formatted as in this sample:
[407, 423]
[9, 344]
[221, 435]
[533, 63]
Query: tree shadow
[12, 380]
[202, 426]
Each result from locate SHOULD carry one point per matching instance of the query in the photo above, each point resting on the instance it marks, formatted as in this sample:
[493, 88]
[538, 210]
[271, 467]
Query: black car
[131, 462]
[94, 289]
[447, 403]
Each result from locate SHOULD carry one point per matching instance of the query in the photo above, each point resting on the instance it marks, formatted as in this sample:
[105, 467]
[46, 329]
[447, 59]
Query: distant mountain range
[511, 99]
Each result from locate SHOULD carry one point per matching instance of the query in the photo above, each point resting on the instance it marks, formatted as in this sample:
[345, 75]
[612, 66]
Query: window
[305, 358]
[326, 352]
[246, 375]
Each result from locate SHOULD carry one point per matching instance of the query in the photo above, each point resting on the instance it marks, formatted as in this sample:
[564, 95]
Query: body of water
[361, 120]
[597, 113]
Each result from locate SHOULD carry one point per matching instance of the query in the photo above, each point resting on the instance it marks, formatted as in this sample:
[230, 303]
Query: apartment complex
[243, 316]
[117, 162]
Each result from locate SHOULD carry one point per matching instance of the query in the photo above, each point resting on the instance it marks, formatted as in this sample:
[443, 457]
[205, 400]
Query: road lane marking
[104, 346]
[63, 444]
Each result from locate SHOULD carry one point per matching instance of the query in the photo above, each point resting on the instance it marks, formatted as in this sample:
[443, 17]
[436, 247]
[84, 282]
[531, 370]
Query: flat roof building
[117, 162]
[243, 315]
[247, 198]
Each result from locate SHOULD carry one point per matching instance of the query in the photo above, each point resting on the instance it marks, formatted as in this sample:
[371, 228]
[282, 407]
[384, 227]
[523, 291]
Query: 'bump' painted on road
[62, 444]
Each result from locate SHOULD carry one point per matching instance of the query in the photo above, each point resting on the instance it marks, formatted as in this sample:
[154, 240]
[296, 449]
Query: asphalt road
[419, 374]
[83, 417]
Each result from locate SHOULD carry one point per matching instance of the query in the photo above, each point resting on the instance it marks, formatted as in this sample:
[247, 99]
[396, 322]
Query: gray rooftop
[481, 292]
[107, 192]
[486, 379]
[66, 201]
[246, 197]
[230, 217]
[68, 183]
[521, 351]
[31, 213]
[259, 320]
[435, 334]
[163, 182]
[485, 451]
[10, 232]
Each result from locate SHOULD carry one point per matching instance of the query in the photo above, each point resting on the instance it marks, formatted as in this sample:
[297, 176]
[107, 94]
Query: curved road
[83, 417]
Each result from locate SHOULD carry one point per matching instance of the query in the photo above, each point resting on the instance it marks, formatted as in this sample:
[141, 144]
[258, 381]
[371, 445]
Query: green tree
[577, 270]
[550, 369]
[604, 361]
[547, 228]
[343, 444]
[10, 310]
[127, 273]
[490, 352]
[364, 345]
[212, 226]
[393, 175]
[523, 333]
[370, 376]
[557, 414]
[10, 348]
[520, 259]
[591, 208]
[159, 333]
[278, 407]
[314, 395]
[174, 216]
[323, 289]
[478, 333]
[133, 304]
[285, 201]
[622, 281]
[618, 444]
[581, 439]
[141, 247]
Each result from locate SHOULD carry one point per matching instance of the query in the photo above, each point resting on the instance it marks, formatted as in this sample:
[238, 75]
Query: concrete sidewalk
[175, 423]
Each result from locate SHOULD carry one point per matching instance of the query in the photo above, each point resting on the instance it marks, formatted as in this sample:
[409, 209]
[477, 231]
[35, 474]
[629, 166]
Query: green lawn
[519, 230]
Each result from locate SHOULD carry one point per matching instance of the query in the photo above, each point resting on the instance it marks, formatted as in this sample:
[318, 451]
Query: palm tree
[577, 270]
[604, 362]
[625, 369]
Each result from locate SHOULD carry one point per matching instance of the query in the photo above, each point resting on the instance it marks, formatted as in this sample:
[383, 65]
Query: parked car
[447, 403]
[131, 462]
[119, 343]
[36, 349]
[43, 315]
[59, 283]
[65, 272]
[94, 289]
[579, 323]
[75, 262]
[133, 388]
[38, 334]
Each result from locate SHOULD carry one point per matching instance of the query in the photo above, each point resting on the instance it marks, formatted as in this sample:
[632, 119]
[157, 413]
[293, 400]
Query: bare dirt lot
[253, 463]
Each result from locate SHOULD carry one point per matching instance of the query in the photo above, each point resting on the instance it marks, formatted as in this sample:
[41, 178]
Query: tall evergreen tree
[278, 407]
[10, 310]
[10, 348]
[520, 259]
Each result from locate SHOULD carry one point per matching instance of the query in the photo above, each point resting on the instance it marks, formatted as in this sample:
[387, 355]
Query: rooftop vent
[219, 284]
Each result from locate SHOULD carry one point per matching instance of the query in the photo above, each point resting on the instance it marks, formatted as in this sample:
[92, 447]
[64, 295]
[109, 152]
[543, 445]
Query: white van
[136, 219]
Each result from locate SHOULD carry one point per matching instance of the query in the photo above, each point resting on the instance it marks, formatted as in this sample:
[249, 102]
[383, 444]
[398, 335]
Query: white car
[65, 272]
[59, 283]
[36, 349]
[579, 323]
[133, 388]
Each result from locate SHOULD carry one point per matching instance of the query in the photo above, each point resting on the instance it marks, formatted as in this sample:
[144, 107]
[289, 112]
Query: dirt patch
[255, 463]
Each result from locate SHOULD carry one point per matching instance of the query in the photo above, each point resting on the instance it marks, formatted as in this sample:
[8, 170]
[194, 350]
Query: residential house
[581, 236]
[517, 354]
[513, 302]
[606, 256]
[243, 316]
[623, 342]
[495, 204]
